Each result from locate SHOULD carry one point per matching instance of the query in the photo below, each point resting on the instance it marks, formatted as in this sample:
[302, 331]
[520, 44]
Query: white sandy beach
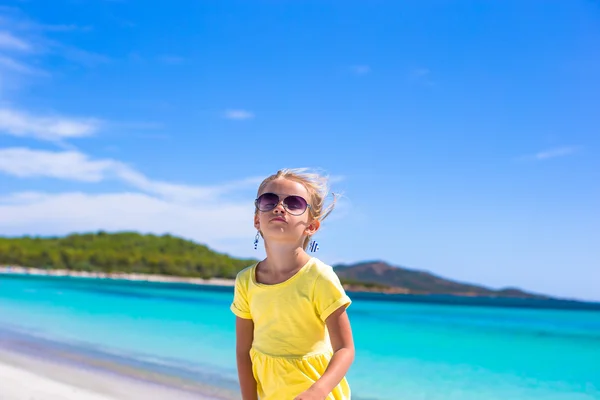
[9, 269]
[18, 384]
[23, 377]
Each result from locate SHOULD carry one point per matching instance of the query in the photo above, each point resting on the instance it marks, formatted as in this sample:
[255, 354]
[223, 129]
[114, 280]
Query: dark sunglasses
[295, 205]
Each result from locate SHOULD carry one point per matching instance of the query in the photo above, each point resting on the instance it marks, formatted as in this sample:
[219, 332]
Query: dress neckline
[288, 280]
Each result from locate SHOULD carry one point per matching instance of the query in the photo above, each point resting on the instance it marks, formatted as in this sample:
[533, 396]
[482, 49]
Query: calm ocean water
[409, 351]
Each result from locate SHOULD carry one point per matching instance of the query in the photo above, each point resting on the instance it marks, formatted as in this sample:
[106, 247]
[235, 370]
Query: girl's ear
[256, 222]
[313, 227]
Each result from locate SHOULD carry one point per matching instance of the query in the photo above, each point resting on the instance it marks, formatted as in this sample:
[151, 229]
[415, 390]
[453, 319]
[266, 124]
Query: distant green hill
[130, 252]
[120, 252]
[384, 277]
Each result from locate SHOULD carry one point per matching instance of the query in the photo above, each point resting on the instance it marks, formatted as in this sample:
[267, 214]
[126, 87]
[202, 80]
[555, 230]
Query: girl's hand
[312, 394]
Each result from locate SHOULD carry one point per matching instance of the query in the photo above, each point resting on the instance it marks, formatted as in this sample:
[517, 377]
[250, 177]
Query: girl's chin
[279, 236]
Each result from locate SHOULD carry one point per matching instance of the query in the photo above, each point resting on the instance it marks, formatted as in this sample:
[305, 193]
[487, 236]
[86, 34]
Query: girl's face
[280, 224]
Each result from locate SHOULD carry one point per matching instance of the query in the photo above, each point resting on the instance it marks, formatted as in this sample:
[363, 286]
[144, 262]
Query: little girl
[294, 340]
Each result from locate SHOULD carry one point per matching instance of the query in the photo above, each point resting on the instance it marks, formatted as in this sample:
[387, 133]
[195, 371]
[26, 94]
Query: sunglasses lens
[267, 201]
[295, 204]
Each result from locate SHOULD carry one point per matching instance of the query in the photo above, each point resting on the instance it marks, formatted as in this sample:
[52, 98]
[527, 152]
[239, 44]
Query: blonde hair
[317, 186]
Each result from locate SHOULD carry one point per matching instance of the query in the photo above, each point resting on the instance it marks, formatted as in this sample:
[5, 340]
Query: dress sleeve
[240, 305]
[329, 294]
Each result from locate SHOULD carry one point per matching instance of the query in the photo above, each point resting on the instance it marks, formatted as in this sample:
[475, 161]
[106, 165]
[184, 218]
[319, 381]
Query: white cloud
[76, 166]
[25, 46]
[14, 19]
[71, 165]
[421, 71]
[53, 128]
[171, 59]
[58, 28]
[30, 38]
[421, 75]
[336, 179]
[557, 152]
[77, 55]
[208, 214]
[238, 114]
[10, 42]
[14, 65]
[58, 214]
[360, 69]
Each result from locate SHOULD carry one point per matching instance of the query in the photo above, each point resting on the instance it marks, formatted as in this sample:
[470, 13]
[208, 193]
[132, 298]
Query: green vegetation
[367, 285]
[120, 252]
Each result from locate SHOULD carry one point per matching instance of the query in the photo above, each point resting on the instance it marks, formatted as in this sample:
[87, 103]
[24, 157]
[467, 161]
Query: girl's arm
[340, 332]
[244, 329]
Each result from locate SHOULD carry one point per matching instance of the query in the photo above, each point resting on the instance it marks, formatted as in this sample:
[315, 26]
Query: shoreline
[136, 277]
[18, 270]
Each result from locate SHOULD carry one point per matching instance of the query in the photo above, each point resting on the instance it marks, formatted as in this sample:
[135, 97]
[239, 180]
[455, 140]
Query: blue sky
[464, 135]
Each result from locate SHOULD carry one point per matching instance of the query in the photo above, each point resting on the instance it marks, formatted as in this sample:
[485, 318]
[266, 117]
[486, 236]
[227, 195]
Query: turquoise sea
[405, 350]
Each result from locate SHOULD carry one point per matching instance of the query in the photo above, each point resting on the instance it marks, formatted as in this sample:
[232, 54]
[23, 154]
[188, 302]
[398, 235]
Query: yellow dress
[291, 347]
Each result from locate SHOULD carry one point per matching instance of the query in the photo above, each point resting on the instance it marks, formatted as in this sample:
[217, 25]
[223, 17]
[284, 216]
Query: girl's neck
[282, 259]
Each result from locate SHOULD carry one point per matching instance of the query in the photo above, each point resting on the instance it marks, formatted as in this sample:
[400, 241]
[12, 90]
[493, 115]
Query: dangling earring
[313, 246]
[256, 240]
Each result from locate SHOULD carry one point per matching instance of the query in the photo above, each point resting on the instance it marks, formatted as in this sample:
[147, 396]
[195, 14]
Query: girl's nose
[279, 207]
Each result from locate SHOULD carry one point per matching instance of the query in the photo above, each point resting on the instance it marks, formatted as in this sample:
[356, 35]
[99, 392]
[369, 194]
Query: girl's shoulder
[245, 275]
[319, 269]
